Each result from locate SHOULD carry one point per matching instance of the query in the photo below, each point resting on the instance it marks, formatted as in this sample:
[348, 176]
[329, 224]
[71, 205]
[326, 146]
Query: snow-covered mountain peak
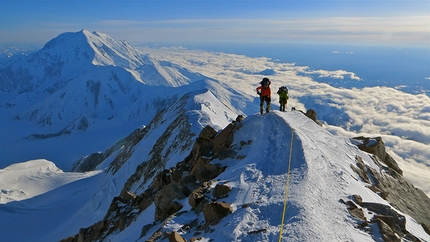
[67, 39]
[67, 57]
[96, 47]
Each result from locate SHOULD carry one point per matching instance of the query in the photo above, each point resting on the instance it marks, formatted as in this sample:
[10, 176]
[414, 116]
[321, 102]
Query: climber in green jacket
[283, 97]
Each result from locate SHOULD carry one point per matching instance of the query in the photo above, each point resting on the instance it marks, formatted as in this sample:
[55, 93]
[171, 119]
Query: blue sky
[187, 22]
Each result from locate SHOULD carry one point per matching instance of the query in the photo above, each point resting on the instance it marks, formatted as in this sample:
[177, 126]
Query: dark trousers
[283, 103]
[262, 100]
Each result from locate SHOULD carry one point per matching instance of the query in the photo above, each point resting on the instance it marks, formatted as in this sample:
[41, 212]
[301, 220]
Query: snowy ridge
[321, 179]
[162, 73]
[370, 111]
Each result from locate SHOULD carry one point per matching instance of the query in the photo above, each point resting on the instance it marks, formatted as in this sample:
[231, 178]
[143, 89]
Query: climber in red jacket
[265, 94]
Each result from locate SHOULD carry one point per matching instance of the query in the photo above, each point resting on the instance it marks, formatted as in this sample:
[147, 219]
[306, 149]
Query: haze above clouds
[210, 22]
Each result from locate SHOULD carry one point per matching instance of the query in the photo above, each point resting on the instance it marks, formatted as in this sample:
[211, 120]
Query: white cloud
[391, 110]
[338, 74]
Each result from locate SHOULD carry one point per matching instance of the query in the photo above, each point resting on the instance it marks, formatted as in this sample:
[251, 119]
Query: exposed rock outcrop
[190, 178]
[391, 225]
[377, 147]
[391, 186]
[312, 114]
[215, 211]
[221, 190]
[174, 237]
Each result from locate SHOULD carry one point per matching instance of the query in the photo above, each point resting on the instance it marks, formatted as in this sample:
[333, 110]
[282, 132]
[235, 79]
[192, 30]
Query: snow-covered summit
[97, 47]
[67, 57]
[80, 55]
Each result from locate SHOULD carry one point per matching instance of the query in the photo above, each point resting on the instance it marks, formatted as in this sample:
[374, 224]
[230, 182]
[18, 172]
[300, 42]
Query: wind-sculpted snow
[166, 140]
[84, 82]
[156, 73]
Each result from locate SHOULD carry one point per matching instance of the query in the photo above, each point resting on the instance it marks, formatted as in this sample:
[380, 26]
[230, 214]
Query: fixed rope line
[287, 185]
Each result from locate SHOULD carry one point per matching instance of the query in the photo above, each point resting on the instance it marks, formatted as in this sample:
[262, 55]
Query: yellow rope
[286, 187]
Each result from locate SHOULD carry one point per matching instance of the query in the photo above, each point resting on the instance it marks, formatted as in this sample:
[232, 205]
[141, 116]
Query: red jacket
[264, 91]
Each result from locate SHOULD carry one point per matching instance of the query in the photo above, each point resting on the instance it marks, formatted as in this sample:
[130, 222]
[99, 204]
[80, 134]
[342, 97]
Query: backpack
[283, 89]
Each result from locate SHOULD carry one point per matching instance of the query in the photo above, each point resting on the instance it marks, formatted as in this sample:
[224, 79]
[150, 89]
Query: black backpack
[283, 89]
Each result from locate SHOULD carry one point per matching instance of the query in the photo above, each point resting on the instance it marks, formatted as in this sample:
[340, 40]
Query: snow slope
[36, 196]
[25, 180]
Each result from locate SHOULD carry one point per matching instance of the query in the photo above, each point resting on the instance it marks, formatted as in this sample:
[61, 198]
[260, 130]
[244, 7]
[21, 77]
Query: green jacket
[282, 95]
